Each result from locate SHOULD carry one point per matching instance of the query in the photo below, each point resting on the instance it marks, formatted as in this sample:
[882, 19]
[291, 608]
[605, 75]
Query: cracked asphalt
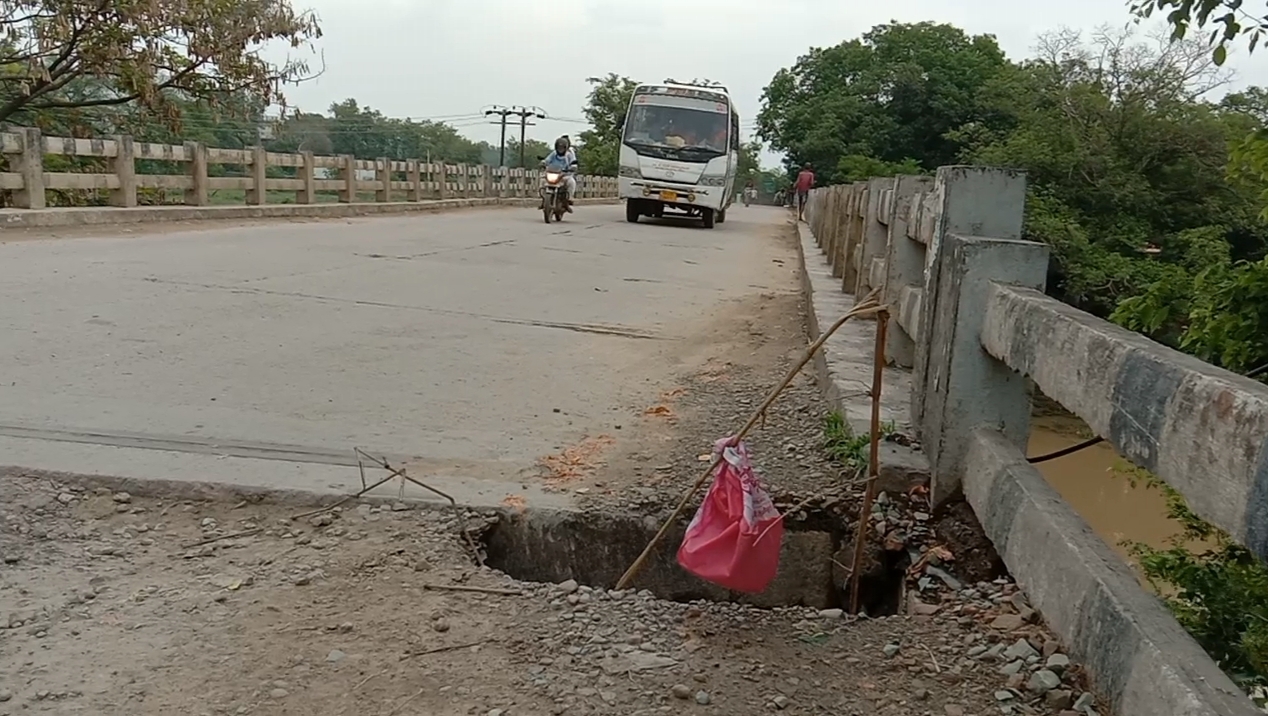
[472, 343]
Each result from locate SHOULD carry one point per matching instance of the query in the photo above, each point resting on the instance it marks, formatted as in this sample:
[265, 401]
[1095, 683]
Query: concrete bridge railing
[390, 180]
[971, 323]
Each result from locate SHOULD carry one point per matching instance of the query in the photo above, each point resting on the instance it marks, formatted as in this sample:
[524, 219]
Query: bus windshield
[678, 128]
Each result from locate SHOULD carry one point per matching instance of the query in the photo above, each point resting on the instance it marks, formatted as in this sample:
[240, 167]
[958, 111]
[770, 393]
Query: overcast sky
[445, 58]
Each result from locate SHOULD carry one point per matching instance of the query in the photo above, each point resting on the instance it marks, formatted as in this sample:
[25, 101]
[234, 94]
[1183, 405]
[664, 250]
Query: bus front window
[699, 135]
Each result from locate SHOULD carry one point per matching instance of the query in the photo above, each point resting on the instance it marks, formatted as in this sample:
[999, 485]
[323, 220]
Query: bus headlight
[629, 172]
[713, 180]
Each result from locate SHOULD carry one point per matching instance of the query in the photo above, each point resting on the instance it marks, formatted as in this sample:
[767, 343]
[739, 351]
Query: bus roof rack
[710, 84]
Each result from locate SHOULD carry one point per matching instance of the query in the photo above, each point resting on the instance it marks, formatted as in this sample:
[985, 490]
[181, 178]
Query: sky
[446, 58]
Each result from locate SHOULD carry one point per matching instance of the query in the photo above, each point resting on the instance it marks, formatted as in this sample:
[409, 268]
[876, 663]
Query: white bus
[680, 146]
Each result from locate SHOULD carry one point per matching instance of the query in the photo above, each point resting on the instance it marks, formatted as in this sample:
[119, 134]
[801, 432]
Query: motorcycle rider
[562, 160]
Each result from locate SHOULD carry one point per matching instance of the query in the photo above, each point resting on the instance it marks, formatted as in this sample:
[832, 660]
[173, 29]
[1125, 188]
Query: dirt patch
[577, 461]
[111, 607]
[975, 557]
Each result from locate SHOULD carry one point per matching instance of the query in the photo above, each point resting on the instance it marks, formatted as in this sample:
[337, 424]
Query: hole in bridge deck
[595, 548]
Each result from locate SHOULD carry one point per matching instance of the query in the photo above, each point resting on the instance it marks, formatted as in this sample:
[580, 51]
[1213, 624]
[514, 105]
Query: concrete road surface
[470, 343]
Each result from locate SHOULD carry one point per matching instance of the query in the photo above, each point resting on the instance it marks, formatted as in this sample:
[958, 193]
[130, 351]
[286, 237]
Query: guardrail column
[850, 268]
[963, 386]
[904, 272]
[308, 174]
[383, 177]
[972, 201]
[196, 194]
[874, 236]
[442, 179]
[30, 164]
[415, 179]
[123, 165]
[257, 195]
[348, 193]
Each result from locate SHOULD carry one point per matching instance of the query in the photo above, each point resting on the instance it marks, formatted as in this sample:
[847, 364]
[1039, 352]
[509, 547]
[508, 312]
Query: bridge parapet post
[904, 269]
[874, 236]
[956, 385]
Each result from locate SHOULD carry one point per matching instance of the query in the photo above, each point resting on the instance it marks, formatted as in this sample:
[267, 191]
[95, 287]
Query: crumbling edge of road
[1135, 652]
[105, 215]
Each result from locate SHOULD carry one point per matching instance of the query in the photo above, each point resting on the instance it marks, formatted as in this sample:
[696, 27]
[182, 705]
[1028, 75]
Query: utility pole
[501, 112]
[524, 113]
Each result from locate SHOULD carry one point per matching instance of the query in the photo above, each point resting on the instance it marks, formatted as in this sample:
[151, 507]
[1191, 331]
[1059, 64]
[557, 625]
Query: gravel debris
[555, 648]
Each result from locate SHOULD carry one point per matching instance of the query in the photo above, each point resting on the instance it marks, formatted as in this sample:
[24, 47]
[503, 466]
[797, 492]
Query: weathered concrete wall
[1138, 656]
[93, 216]
[1202, 429]
[980, 327]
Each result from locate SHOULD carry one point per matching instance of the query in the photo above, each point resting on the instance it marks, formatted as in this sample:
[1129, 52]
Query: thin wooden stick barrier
[874, 458]
[870, 305]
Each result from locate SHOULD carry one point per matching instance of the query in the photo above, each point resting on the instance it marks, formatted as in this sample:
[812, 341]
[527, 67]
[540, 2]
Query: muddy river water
[1094, 483]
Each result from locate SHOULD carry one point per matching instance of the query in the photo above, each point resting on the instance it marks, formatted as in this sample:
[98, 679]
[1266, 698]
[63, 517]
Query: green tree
[1127, 165]
[605, 109]
[895, 95]
[1228, 20]
[534, 151]
[68, 54]
[749, 165]
[366, 133]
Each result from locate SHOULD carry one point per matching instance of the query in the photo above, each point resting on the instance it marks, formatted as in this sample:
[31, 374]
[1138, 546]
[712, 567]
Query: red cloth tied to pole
[735, 537]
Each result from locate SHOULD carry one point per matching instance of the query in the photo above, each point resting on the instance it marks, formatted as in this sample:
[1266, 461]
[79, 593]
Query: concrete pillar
[836, 222]
[257, 195]
[123, 166]
[30, 165]
[415, 174]
[442, 179]
[971, 201]
[348, 193]
[814, 216]
[904, 266]
[196, 194]
[964, 387]
[383, 177]
[849, 272]
[875, 235]
[307, 174]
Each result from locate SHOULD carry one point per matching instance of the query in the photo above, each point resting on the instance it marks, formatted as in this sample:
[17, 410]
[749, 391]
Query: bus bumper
[671, 195]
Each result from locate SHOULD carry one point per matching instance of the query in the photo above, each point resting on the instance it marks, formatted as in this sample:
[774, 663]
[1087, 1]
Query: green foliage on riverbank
[1218, 592]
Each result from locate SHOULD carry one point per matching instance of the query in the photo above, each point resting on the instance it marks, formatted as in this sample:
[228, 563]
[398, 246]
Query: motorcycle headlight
[552, 177]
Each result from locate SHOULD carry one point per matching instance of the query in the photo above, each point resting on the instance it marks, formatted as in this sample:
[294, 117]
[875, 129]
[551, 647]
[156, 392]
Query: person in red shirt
[805, 182]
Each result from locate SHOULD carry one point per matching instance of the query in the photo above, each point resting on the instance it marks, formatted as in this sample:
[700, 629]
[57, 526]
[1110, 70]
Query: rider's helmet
[561, 145]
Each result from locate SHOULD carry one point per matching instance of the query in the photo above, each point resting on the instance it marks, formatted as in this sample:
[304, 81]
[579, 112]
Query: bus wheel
[722, 216]
[706, 217]
[631, 211]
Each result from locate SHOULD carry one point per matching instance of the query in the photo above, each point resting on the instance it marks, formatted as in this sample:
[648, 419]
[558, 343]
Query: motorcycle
[748, 197]
[555, 193]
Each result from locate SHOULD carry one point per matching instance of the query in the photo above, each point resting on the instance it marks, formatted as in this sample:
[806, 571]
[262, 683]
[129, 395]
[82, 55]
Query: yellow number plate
[669, 196]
